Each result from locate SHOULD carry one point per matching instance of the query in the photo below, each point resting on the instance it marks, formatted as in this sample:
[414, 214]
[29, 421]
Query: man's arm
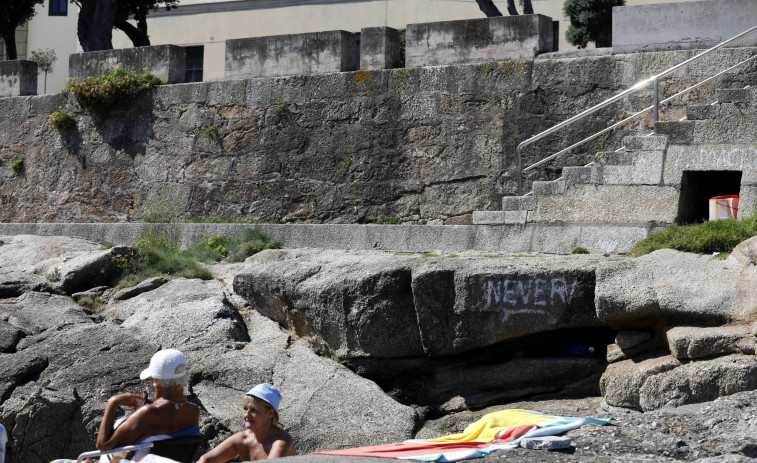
[224, 452]
[128, 432]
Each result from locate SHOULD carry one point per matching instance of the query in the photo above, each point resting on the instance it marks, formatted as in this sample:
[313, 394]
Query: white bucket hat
[166, 364]
[268, 393]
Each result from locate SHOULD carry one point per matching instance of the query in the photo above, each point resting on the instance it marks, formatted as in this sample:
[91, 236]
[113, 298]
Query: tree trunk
[10, 46]
[138, 37]
[489, 8]
[95, 24]
[527, 8]
[511, 8]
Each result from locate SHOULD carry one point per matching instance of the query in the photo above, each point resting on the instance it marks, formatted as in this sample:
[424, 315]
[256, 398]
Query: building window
[357, 39]
[58, 7]
[195, 56]
[555, 35]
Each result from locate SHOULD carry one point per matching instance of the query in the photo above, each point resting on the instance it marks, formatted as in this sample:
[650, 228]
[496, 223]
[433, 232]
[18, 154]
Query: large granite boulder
[56, 264]
[378, 304]
[676, 287]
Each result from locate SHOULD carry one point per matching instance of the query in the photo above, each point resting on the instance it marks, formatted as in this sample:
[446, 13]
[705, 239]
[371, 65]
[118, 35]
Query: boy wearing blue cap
[262, 437]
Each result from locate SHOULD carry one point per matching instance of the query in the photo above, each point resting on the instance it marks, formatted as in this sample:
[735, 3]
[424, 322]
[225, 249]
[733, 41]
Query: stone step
[609, 204]
[734, 95]
[645, 143]
[738, 127]
[499, 217]
[702, 112]
[518, 203]
[581, 175]
[544, 188]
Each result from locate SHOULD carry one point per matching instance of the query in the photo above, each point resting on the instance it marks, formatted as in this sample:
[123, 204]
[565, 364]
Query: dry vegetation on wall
[100, 94]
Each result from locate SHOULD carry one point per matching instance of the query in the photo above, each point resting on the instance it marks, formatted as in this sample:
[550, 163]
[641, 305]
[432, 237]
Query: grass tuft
[702, 238]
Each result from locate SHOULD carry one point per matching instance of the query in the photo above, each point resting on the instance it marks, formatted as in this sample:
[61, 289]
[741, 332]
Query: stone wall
[477, 40]
[18, 77]
[165, 61]
[293, 54]
[424, 145]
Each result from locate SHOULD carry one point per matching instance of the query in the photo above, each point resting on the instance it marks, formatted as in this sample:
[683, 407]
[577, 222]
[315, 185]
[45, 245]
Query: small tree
[44, 59]
[14, 13]
[590, 21]
[97, 18]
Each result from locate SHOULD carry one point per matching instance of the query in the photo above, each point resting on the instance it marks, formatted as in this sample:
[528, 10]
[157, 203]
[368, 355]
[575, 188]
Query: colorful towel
[494, 431]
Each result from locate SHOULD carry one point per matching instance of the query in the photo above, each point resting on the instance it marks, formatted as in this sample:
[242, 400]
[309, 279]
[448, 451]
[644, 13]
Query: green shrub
[89, 303]
[17, 164]
[281, 108]
[429, 254]
[251, 242]
[99, 94]
[580, 250]
[704, 238]
[389, 221]
[211, 131]
[62, 120]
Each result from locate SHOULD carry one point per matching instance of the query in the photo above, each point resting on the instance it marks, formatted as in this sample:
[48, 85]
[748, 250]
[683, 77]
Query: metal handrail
[639, 85]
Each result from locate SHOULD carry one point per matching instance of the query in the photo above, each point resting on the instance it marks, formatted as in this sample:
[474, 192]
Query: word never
[530, 296]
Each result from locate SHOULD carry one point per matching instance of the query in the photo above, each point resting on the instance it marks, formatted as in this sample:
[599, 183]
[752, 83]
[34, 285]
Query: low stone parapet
[165, 61]
[681, 26]
[475, 40]
[379, 48]
[18, 78]
[292, 54]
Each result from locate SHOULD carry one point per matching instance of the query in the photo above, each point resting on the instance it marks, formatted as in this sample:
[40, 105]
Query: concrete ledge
[475, 40]
[573, 175]
[499, 217]
[18, 78]
[702, 112]
[518, 203]
[734, 95]
[553, 238]
[169, 62]
[556, 187]
[682, 26]
[650, 143]
[379, 48]
[292, 54]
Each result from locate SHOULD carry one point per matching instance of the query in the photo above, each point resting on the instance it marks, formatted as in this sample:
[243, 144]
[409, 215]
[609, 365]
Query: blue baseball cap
[268, 393]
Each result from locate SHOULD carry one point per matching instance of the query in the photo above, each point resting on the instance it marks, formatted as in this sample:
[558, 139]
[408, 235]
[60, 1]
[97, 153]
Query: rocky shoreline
[354, 340]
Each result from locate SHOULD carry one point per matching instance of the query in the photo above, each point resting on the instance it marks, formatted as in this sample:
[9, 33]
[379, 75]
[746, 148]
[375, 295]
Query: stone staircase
[623, 197]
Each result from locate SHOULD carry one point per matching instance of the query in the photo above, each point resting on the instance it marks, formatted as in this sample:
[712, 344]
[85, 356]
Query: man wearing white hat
[170, 413]
[262, 438]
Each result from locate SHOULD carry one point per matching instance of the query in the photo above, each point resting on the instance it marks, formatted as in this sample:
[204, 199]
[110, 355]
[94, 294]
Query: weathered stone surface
[694, 342]
[616, 353]
[142, 287]
[37, 312]
[697, 382]
[622, 381]
[361, 304]
[627, 339]
[164, 318]
[85, 271]
[671, 285]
